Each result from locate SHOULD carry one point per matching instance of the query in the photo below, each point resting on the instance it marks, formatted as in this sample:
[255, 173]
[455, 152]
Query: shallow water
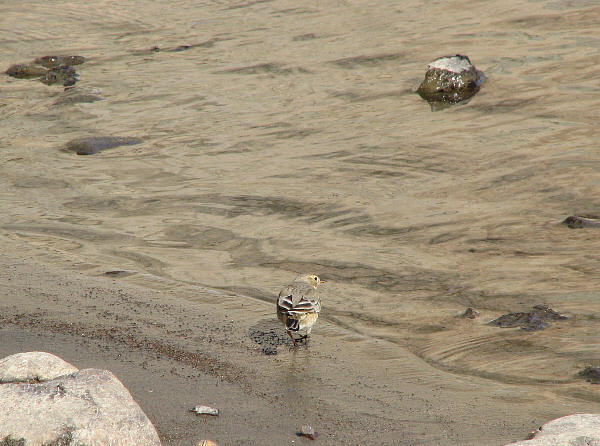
[288, 138]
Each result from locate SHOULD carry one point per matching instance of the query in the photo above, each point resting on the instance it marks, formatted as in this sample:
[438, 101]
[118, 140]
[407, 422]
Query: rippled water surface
[282, 137]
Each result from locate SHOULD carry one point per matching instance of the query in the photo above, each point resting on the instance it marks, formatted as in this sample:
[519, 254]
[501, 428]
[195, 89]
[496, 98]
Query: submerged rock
[450, 79]
[576, 222]
[26, 71]
[33, 366]
[49, 69]
[78, 95]
[591, 374]
[63, 74]
[84, 408]
[537, 319]
[581, 429]
[55, 61]
[95, 144]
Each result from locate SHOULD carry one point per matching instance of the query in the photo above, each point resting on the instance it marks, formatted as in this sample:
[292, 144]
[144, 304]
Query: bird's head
[311, 279]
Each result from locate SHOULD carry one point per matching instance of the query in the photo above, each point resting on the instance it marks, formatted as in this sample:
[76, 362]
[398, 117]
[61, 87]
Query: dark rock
[537, 319]
[591, 374]
[450, 79]
[95, 144]
[26, 71]
[55, 61]
[470, 313]
[62, 74]
[576, 222]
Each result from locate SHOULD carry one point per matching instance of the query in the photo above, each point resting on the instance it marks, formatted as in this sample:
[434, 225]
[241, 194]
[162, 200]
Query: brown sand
[282, 138]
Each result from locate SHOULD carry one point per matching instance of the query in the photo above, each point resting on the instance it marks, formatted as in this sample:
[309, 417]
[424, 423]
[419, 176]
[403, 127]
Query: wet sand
[172, 356]
[280, 139]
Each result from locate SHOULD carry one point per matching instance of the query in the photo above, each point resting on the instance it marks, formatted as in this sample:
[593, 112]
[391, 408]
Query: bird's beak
[322, 281]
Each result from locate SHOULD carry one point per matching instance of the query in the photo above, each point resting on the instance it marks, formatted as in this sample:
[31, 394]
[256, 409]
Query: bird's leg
[291, 337]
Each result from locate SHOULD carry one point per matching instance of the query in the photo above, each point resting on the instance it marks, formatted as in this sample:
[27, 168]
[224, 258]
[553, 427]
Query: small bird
[298, 306]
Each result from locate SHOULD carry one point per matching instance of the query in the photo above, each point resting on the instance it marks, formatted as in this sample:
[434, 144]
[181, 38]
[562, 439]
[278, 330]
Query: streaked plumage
[298, 306]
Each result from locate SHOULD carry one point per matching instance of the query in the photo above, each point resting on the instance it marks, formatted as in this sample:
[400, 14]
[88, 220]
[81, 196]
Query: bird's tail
[292, 324]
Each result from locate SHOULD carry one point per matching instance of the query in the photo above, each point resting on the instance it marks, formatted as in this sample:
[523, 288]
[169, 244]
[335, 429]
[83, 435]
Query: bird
[299, 305]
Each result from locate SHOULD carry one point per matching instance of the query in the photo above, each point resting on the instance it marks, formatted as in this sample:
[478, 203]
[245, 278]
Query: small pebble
[470, 313]
[308, 432]
[205, 410]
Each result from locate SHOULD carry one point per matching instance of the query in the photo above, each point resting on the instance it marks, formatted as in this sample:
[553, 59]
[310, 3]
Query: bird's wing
[297, 300]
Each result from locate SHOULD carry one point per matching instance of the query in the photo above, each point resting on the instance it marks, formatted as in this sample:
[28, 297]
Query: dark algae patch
[95, 144]
[536, 319]
[591, 374]
[269, 335]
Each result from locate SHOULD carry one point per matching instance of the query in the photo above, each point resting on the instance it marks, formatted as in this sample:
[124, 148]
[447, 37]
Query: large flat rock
[33, 366]
[89, 407]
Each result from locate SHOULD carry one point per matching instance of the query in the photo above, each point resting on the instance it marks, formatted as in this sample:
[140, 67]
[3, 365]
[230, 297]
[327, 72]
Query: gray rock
[88, 407]
[573, 430]
[450, 79]
[33, 366]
